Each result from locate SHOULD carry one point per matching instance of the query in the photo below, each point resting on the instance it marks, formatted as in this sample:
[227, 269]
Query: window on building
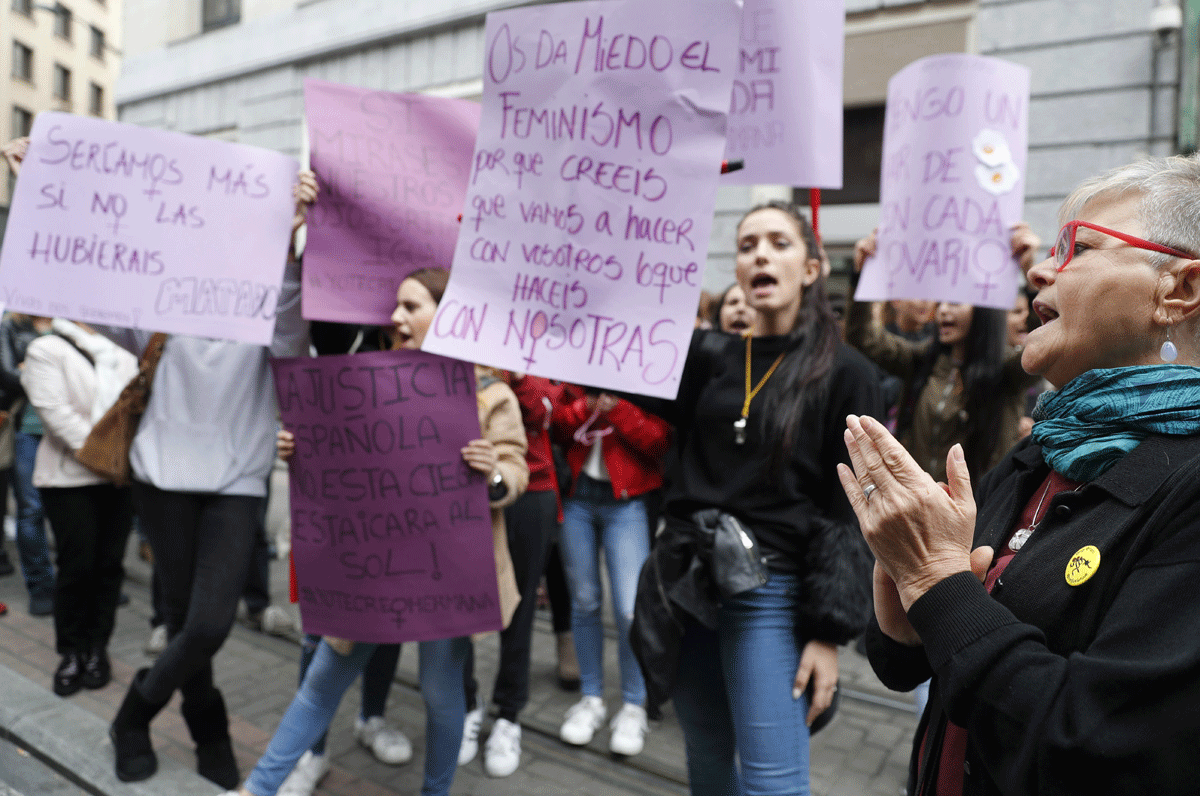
[23, 7]
[62, 21]
[97, 45]
[96, 100]
[219, 13]
[62, 83]
[22, 121]
[862, 154]
[22, 62]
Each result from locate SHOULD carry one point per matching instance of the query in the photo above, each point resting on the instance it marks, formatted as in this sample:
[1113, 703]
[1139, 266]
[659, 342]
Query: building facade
[1111, 80]
[60, 56]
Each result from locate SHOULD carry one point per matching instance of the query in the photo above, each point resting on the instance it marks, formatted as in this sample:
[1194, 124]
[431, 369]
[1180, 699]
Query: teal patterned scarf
[1096, 418]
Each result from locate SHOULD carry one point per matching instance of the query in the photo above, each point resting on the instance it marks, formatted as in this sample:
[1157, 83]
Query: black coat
[1085, 689]
[15, 337]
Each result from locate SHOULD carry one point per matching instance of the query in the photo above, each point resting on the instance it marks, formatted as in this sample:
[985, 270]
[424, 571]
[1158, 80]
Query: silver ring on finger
[868, 490]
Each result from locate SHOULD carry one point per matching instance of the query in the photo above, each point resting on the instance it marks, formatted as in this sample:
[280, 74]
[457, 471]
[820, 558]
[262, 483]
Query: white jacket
[70, 394]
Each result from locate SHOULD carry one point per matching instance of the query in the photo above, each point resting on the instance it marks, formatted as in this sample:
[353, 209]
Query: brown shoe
[568, 664]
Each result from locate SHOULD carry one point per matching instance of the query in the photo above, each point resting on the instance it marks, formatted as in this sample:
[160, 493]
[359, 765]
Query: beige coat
[500, 423]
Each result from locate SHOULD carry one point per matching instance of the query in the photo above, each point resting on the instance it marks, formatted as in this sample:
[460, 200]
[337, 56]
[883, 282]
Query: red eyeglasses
[1064, 247]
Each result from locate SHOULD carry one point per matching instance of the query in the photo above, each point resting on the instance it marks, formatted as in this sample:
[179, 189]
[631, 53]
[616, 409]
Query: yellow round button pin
[1083, 565]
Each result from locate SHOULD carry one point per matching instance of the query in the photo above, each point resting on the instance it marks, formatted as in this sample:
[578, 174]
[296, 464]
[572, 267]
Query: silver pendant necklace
[1019, 538]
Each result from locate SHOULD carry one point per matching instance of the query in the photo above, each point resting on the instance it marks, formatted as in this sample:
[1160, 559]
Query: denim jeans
[593, 518]
[328, 677]
[377, 677]
[32, 547]
[733, 696]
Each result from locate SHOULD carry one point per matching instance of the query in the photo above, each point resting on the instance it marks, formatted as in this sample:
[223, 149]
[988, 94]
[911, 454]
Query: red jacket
[633, 453]
[538, 397]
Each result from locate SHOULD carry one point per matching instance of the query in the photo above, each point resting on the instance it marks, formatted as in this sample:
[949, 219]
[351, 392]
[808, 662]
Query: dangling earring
[1168, 352]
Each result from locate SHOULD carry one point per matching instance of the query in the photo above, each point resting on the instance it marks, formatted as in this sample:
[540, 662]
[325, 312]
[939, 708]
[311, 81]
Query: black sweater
[1085, 689]
[785, 507]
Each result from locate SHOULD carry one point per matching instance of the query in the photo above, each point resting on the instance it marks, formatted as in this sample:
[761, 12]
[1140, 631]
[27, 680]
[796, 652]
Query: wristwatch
[496, 486]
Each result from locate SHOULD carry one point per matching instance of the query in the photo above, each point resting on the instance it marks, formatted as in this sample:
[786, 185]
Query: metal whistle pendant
[739, 431]
[1019, 539]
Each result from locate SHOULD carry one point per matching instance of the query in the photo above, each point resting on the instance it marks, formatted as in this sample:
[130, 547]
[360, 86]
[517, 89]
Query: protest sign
[954, 150]
[785, 115]
[393, 174]
[127, 226]
[391, 531]
[592, 191]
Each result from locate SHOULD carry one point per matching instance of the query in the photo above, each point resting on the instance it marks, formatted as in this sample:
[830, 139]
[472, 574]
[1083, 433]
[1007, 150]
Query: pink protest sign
[587, 220]
[391, 531]
[785, 115]
[393, 174]
[128, 226]
[954, 151]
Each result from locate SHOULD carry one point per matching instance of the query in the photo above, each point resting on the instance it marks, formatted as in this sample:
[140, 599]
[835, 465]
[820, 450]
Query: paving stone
[864, 751]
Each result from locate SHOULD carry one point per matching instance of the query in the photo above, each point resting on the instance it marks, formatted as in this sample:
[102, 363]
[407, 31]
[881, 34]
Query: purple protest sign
[393, 173]
[953, 184]
[128, 226]
[391, 531]
[785, 116]
[592, 191]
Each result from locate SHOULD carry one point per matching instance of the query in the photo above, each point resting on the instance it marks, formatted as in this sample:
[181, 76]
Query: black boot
[209, 725]
[97, 669]
[130, 734]
[68, 677]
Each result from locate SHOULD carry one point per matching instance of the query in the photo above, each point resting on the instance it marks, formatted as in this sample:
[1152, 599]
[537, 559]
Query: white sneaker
[387, 743]
[470, 740]
[502, 753]
[583, 719]
[629, 730]
[309, 771]
[277, 621]
[157, 641]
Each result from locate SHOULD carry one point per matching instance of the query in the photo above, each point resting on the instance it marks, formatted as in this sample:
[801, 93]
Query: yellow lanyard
[739, 427]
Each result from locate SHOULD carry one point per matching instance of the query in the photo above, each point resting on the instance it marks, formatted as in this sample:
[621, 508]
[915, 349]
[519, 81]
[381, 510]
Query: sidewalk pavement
[864, 751]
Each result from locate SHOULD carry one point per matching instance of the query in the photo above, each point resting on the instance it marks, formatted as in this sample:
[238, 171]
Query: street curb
[66, 738]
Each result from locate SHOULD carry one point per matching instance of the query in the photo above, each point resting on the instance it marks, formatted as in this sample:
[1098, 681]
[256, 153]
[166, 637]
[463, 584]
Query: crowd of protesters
[811, 480]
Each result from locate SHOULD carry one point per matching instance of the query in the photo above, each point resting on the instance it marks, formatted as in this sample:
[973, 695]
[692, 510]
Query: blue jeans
[377, 678]
[733, 696]
[32, 547]
[593, 518]
[328, 677]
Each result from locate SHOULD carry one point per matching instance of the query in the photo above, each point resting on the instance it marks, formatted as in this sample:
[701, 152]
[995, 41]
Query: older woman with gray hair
[1056, 606]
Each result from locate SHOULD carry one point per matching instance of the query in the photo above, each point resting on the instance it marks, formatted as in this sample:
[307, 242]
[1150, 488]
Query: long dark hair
[982, 372]
[802, 376]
